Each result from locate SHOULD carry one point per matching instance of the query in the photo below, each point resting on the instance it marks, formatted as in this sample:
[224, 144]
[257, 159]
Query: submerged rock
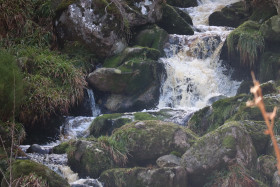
[214, 151]
[149, 177]
[148, 140]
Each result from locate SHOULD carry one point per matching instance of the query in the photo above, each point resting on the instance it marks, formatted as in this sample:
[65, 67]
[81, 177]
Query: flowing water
[195, 78]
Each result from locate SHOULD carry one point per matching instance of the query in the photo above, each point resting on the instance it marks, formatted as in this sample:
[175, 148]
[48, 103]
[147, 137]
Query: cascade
[93, 106]
[195, 78]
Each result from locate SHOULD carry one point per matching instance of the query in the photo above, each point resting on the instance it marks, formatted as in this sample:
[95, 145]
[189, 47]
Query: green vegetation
[11, 84]
[247, 41]
[23, 168]
[144, 116]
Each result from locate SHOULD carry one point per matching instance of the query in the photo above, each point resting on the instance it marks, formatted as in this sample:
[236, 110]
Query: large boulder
[226, 145]
[92, 157]
[25, 170]
[98, 24]
[152, 37]
[134, 85]
[271, 29]
[149, 177]
[232, 15]
[173, 22]
[148, 140]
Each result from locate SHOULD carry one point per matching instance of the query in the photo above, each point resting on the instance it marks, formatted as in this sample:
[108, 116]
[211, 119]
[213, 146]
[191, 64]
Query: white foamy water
[195, 76]
[201, 13]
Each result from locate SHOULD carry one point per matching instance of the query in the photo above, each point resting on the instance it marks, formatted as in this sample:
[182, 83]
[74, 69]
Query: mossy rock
[263, 12]
[22, 168]
[90, 157]
[173, 23]
[184, 15]
[256, 131]
[244, 87]
[148, 140]
[152, 37]
[235, 174]
[269, 65]
[226, 145]
[149, 177]
[106, 123]
[209, 118]
[266, 166]
[140, 116]
[182, 3]
[271, 29]
[60, 5]
[132, 53]
[232, 15]
[62, 148]
[245, 44]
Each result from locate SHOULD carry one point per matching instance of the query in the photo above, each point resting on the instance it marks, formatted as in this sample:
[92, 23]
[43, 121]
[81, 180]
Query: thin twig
[268, 117]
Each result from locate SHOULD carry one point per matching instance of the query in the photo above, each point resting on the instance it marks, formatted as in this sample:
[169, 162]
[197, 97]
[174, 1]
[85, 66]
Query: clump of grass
[117, 149]
[247, 41]
[53, 83]
[10, 73]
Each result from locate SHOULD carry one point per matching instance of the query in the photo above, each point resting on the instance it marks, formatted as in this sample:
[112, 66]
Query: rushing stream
[195, 78]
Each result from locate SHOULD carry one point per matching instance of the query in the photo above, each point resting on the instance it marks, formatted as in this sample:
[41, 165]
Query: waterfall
[195, 76]
[93, 106]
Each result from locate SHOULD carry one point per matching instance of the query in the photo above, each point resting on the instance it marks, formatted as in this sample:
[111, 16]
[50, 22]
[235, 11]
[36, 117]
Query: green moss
[175, 153]
[22, 168]
[144, 116]
[61, 148]
[229, 142]
[262, 13]
[62, 4]
[247, 41]
[173, 23]
[152, 37]
[105, 124]
[269, 64]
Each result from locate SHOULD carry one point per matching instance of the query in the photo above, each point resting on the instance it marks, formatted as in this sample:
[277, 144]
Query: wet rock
[153, 139]
[271, 29]
[35, 148]
[266, 166]
[173, 23]
[152, 37]
[182, 3]
[269, 66]
[24, 168]
[244, 87]
[231, 16]
[150, 177]
[226, 145]
[106, 123]
[168, 161]
[132, 86]
[89, 158]
[98, 24]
